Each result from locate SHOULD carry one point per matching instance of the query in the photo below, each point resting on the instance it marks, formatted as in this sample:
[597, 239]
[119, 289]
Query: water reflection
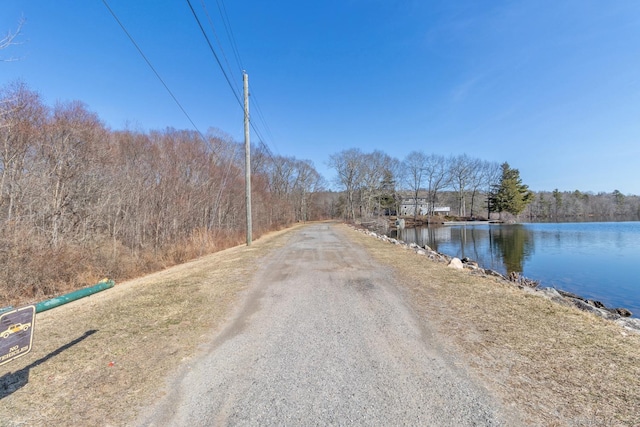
[595, 260]
[515, 244]
[504, 248]
[426, 236]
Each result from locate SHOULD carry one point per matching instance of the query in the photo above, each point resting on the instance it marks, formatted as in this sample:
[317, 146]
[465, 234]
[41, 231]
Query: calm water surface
[598, 260]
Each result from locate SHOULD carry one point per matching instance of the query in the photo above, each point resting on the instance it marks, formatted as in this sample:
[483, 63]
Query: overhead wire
[157, 74]
[215, 34]
[229, 32]
[234, 47]
[264, 122]
[154, 70]
[204, 33]
[226, 23]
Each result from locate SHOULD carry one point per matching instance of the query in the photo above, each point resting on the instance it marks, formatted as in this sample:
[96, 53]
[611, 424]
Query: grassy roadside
[557, 364]
[96, 361]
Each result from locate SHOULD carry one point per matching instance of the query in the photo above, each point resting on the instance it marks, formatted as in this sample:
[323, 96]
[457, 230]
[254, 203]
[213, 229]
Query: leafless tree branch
[10, 39]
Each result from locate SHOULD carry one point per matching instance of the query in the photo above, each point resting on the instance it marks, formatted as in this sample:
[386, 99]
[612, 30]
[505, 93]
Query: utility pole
[247, 156]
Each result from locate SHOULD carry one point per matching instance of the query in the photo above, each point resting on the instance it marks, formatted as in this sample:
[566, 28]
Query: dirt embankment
[99, 361]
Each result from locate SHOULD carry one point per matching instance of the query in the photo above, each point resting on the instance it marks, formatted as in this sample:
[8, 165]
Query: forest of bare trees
[79, 201]
[372, 187]
[461, 182]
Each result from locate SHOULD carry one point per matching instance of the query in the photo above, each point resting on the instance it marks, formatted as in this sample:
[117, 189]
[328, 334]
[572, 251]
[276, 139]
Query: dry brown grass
[98, 360]
[559, 365]
[31, 270]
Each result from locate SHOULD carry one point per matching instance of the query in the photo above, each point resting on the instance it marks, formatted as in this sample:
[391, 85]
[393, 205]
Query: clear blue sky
[552, 87]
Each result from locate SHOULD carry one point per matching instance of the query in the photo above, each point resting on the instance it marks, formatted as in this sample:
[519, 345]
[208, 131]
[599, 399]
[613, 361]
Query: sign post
[16, 332]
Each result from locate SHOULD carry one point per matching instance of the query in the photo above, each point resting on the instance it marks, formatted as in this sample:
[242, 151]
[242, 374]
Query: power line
[264, 122]
[227, 172]
[175, 99]
[227, 25]
[153, 69]
[215, 34]
[214, 54]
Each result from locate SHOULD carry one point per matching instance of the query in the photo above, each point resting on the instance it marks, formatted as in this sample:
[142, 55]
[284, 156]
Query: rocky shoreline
[620, 316]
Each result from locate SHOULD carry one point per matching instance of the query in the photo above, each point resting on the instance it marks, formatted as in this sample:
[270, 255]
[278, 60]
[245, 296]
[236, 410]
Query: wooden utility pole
[247, 156]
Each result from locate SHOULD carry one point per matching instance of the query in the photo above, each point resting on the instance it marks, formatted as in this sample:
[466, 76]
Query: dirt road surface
[324, 337]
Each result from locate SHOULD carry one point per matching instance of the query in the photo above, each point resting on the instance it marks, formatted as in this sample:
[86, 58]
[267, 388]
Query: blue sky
[552, 87]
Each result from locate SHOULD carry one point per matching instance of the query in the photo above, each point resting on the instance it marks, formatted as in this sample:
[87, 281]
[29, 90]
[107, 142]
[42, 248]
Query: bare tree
[282, 176]
[67, 158]
[375, 166]
[438, 178]
[415, 165]
[461, 170]
[308, 182]
[10, 39]
[282, 180]
[120, 203]
[491, 173]
[349, 166]
[21, 116]
[476, 181]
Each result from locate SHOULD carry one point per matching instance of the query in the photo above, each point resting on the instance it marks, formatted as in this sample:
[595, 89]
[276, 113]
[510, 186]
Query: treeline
[576, 205]
[375, 183]
[79, 201]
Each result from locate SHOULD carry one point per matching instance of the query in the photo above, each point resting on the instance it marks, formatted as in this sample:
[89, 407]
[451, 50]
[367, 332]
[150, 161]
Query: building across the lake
[409, 206]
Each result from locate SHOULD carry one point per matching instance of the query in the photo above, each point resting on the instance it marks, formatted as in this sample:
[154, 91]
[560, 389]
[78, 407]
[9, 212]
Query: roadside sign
[16, 332]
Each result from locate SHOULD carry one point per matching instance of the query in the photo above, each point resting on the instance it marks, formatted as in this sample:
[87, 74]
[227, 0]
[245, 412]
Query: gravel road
[324, 337]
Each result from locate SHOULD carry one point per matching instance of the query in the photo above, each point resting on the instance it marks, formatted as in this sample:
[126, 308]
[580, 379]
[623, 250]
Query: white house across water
[409, 207]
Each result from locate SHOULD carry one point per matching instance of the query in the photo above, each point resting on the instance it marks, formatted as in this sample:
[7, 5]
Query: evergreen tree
[387, 194]
[510, 195]
[557, 196]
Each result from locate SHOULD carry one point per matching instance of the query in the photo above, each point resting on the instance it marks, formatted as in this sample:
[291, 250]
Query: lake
[596, 260]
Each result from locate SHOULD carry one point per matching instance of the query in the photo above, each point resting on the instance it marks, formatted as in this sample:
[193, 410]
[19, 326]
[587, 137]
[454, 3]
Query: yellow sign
[16, 332]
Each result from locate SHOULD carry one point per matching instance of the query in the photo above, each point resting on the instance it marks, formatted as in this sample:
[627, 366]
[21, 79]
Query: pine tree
[387, 193]
[510, 195]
